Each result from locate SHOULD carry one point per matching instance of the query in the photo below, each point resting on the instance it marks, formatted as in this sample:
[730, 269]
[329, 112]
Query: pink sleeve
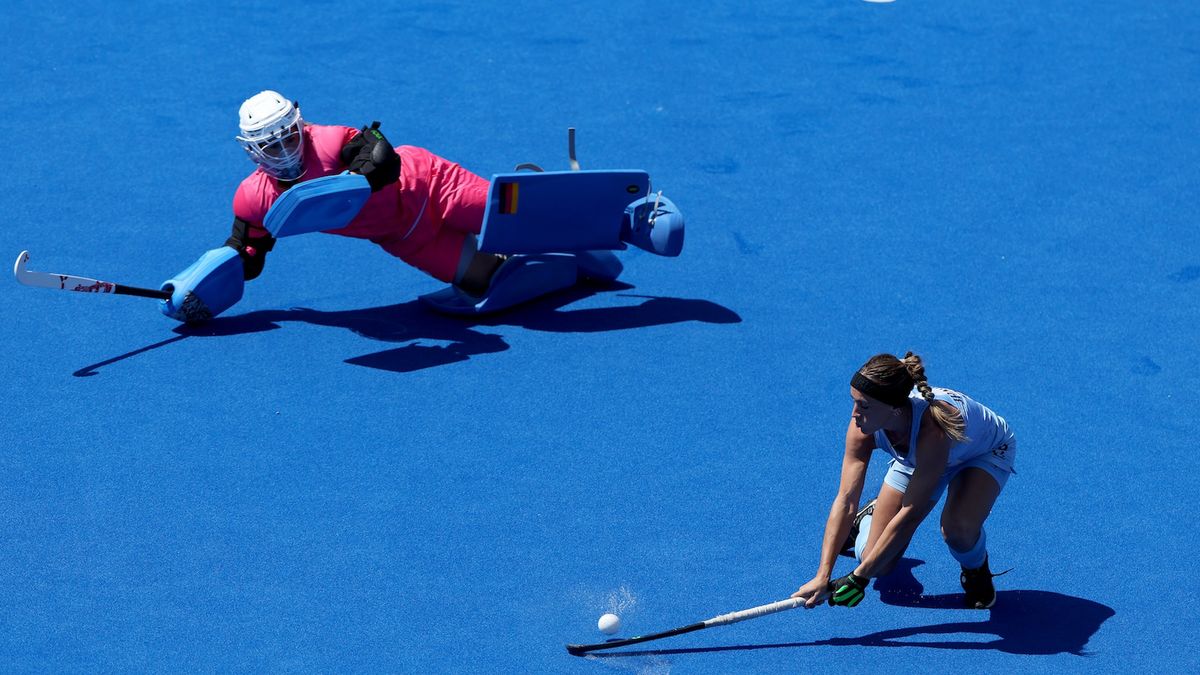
[250, 203]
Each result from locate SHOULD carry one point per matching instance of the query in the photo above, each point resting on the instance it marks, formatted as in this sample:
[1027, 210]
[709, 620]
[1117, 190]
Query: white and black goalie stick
[722, 620]
[70, 282]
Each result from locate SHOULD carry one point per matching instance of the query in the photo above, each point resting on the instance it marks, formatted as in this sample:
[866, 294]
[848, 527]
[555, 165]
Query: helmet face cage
[277, 146]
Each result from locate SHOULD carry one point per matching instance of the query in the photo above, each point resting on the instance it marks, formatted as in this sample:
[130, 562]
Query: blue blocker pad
[326, 203]
[209, 286]
[559, 210]
[521, 278]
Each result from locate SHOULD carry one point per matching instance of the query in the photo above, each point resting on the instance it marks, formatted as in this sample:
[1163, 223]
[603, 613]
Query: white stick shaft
[64, 282]
[754, 612]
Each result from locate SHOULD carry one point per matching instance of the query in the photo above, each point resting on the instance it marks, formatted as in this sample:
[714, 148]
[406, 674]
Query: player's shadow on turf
[413, 323]
[1023, 621]
[1036, 623]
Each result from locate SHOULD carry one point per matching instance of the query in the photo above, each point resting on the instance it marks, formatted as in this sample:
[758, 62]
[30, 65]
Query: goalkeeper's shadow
[457, 338]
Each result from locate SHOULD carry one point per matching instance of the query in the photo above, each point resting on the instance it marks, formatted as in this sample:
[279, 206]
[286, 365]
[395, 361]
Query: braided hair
[889, 371]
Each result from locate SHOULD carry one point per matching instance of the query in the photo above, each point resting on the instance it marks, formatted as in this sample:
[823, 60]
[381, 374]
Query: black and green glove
[370, 154]
[848, 591]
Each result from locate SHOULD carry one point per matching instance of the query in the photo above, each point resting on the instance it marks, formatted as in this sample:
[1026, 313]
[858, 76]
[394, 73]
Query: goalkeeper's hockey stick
[69, 282]
[722, 620]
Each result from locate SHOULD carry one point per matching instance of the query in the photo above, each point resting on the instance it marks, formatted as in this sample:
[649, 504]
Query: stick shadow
[411, 322]
[1028, 622]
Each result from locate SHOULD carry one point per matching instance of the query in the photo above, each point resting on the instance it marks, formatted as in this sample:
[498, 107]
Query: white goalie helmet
[272, 134]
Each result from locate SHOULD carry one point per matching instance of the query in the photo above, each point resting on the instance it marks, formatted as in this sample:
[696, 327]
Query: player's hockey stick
[722, 620]
[68, 282]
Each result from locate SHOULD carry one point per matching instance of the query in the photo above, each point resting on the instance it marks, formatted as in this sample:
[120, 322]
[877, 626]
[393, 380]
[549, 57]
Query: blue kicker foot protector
[318, 205]
[654, 224]
[860, 542]
[973, 558]
[209, 286]
[521, 278]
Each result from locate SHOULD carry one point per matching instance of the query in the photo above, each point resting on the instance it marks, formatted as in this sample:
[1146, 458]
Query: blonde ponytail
[946, 416]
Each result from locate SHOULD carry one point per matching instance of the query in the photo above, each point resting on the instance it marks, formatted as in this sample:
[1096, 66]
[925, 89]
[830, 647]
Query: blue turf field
[332, 479]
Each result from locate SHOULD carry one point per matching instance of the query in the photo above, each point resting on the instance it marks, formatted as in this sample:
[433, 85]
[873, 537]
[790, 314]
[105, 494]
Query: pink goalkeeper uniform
[424, 218]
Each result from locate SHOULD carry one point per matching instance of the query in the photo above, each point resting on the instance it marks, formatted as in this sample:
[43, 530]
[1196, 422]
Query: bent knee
[959, 534]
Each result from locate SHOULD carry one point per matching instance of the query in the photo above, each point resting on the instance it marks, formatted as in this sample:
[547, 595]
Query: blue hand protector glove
[211, 285]
[849, 590]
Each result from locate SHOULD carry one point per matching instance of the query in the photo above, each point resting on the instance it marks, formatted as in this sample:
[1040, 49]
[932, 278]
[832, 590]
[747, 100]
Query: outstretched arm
[215, 282]
[841, 513]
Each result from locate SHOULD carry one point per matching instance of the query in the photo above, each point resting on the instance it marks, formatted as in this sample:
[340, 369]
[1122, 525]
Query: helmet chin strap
[289, 178]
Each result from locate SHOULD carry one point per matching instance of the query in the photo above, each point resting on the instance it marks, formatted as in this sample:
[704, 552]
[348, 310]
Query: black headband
[895, 395]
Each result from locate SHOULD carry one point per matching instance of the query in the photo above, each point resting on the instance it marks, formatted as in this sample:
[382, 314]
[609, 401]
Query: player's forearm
[837, 528]
[891, 543]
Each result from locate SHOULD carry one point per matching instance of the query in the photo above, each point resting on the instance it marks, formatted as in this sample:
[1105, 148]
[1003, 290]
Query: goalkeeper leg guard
[519, 279]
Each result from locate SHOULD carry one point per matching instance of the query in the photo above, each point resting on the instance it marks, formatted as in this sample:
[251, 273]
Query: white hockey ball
[609, 624]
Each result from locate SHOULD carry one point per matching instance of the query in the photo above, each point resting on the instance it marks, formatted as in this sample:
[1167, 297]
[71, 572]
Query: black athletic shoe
[848, 546]
[977, 584]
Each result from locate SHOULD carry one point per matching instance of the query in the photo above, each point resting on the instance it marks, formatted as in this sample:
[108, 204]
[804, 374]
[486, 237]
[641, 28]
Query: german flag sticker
[508, 198]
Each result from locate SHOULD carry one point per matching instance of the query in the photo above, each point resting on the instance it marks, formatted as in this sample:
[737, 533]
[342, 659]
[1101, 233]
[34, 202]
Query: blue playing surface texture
[330, 478]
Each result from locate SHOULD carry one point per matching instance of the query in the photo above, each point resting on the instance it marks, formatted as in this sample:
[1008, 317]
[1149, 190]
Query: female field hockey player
[939, 440]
